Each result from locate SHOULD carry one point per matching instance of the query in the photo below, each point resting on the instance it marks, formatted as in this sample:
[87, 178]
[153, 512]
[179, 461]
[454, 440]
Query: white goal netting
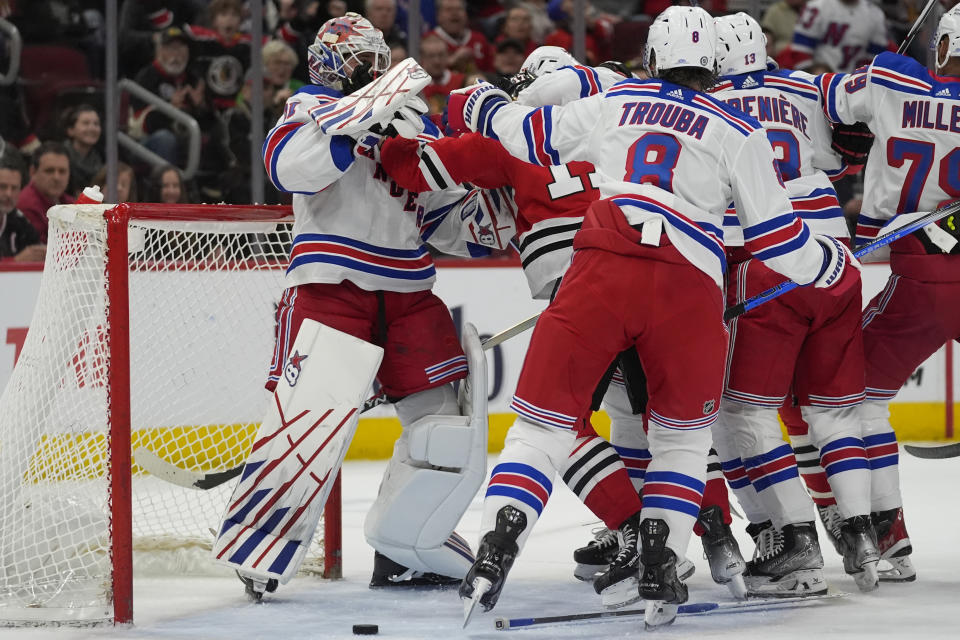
[202, 297]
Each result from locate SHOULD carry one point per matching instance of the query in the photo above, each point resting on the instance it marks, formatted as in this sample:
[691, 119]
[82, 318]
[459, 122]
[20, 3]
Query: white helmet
[681, 37]
[949, 26]
[335, 52]
[544, 60]
[741, 45]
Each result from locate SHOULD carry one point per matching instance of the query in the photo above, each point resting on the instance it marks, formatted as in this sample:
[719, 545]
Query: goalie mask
[741, 45]
[948, 26]
[681, 37]
[341, 47]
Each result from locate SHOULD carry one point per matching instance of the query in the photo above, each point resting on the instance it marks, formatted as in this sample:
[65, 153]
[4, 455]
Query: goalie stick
[206, 480]
[937, 452]
[692, 609]
[908, 224]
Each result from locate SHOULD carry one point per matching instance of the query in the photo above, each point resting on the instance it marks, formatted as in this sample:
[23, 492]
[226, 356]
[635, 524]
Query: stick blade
[938, 452]
[166, 471]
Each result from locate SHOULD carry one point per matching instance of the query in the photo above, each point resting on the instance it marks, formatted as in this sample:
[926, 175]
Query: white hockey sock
[836, 432]
[883, 454]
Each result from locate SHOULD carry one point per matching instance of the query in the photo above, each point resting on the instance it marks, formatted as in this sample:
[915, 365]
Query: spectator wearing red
[518, 25]
[49, 177]
[599, 30]
[469, 50]
[434, 58]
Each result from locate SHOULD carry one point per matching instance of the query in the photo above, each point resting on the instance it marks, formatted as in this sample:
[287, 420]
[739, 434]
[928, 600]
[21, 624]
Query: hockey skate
[860, 554]
[894, 545]
[596, 556]
[387, 573]
[498, 550]
[722, 551]
[786, 562]
[256, 587]
[659, 583]
[618, 585]
[831, 520]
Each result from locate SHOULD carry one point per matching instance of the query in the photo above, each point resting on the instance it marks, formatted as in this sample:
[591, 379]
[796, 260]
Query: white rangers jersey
[787, 105]
[352, 222]
[915, 159]
[842, 35]
[568, 83]
[670, 154]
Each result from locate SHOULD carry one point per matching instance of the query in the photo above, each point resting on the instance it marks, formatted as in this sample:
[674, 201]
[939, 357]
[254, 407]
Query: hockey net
[181, 375]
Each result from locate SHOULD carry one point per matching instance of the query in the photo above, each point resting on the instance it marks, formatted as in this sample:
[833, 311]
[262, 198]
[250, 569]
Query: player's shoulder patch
[900, 73]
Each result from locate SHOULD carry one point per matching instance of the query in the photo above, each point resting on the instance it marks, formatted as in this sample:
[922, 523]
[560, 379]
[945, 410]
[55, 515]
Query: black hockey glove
[360, 77]
[852, 142]
[619, 67]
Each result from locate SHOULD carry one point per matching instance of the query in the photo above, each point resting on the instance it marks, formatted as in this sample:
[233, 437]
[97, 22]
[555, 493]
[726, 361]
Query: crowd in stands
[195, 55]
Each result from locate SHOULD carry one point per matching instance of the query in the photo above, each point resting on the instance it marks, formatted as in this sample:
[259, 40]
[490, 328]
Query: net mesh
[202, 298]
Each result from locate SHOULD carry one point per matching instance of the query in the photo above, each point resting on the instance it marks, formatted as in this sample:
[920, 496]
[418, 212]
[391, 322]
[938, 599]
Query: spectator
[518, 25]
[221, 52]
[83, 134]
[279, 61]
[126, 182]
[169, 77]
[383, 15]
[140, 23]
[18, 238]
[541, 23]
[434, 58]
[781, 18]
[169, 185]
[49, 177]
[398, 53]
[507, 61]
[469, 50]
[599, 30]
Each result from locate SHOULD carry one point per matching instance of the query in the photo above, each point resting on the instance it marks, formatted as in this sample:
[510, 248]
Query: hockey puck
[365, 629]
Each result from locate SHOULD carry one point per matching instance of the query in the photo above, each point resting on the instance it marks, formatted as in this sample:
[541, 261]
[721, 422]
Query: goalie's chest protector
[363, 228]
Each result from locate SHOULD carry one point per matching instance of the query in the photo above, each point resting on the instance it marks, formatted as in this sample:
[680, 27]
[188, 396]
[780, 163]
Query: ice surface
[542, 583]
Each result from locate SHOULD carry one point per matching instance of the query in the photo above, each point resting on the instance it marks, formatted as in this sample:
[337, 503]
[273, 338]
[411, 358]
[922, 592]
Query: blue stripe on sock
[780, 476]
[515, 494]
[671, 504]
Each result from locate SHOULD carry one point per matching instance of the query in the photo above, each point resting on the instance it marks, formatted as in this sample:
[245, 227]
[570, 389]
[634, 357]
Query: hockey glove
[471, 108]
[852, 142]
[841, 270]
[406, 122]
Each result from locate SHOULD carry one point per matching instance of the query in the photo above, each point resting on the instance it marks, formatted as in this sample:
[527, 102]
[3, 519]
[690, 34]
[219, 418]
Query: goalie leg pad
[271, 516]
[437, 468]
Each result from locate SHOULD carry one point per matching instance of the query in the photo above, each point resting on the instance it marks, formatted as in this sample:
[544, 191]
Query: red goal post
[153, 329]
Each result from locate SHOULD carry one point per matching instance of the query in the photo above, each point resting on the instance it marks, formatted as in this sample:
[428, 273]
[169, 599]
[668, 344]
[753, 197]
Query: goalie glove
[406, 122]
[472, 108]
[841, 270]
[852, 142]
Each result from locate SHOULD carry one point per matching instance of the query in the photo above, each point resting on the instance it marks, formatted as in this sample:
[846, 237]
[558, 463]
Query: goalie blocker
[436, 470]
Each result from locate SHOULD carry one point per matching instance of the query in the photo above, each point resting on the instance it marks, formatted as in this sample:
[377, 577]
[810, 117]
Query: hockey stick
[206, 480]
[916, 223]
[915, 27]
[937, 452]
[692, 609]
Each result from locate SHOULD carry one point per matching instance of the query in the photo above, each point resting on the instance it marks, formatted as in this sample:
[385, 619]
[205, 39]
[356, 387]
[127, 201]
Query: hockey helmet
[741, 45]
[681, 37]
[949, 26]
[342, 45]
[543, 60]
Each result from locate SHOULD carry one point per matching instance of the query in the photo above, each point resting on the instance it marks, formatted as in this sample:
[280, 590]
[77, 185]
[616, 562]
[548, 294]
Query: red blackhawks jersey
[548, 202]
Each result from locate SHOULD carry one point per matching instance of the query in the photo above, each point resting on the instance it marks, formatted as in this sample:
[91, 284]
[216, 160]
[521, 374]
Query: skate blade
[898, 570]
[659, 614]
[809, 582]
[621, 594]
[588, 572]
[480, 588]
[737, 587]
